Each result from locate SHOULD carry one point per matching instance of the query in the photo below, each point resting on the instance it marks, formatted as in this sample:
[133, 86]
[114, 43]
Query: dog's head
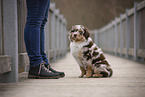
[79, 33]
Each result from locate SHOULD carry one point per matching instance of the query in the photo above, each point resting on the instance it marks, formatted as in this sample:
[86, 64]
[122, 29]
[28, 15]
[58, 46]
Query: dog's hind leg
[110, 71]
[96, 74]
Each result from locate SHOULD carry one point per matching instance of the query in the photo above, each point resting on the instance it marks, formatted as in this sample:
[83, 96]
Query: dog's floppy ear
[70, 37]
[86, 33]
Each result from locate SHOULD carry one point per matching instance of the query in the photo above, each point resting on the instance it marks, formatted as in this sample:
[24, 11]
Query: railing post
[47, 41]
[53, 31]
[57, 32]
[127, 34]
[61, 34]
[10, 28]
[121, 35]
[136, 31]
[1, 31]
[65, 36]
[113, 37]
[116, 37]
[109, 37]
[96, 37]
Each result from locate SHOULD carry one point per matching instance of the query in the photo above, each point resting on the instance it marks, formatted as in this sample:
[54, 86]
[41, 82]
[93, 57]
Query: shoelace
[44, 68]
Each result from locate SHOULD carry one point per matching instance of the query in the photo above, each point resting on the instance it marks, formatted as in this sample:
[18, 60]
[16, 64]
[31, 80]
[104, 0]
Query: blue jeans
[37, 14]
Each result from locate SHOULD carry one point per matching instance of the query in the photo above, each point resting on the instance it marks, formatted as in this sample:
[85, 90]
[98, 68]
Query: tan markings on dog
[97, 75]
[89, 71]
[83, 71]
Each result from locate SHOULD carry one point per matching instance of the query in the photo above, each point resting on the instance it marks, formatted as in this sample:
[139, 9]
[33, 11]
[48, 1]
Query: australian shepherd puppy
[88, 55]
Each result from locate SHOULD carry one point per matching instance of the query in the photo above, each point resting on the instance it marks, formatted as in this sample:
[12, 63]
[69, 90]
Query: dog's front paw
[88, 76]
[81, 76]
[97, 75]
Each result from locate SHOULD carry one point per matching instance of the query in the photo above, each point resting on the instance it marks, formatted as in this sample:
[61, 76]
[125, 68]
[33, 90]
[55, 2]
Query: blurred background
[93, 14]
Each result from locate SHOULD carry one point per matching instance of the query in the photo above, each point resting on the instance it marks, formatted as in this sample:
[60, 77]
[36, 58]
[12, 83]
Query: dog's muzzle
[75, 35]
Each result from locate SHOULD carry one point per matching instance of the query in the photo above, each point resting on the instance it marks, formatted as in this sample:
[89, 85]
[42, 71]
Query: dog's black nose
[75, 35]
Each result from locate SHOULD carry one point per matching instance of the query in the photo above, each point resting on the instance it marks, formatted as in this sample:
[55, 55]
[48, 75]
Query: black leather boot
[41, 72]
[62, 74]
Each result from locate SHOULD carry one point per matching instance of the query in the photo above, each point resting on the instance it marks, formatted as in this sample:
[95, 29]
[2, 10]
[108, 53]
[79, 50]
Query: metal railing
[13, 56]
[55, 31]
[1, 30]
[124, 36]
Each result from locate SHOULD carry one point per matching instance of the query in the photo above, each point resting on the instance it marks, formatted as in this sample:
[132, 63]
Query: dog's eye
[74, 30]
[81, 32]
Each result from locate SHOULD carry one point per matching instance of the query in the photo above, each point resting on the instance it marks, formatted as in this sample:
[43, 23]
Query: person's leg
[42, 36]
[35, 15]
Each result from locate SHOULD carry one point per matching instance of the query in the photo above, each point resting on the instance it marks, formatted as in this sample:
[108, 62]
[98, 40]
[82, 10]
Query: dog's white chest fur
[76, 51]
[76, 47]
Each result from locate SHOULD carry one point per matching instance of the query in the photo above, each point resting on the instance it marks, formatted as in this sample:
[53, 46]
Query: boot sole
[62, 75]
[40, 77]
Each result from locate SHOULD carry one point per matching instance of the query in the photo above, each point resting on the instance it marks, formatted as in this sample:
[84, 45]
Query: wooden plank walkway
[128, 81]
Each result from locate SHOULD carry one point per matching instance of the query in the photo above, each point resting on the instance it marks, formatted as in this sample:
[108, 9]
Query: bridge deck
[128, 81]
